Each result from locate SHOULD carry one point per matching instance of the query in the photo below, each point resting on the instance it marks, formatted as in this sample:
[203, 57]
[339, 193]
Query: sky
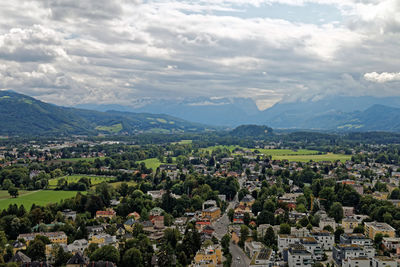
[72, 52]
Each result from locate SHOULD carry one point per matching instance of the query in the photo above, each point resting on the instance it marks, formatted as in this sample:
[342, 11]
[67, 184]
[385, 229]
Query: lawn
[28, 198]
[305, 158]
[75, 178]
[84, 159]
[152, 163]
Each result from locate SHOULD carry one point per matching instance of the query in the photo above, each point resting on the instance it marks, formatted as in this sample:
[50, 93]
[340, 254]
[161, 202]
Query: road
[237, 252]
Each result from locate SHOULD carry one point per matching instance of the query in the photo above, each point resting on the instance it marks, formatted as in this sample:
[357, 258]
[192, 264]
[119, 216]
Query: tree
[132, 257]
[7, 184]
[13, 191]
[36, 250]
[269, 237]
[60, 256]
[378, 240]
[244, 233]
[231, 212]
[105, 253]
[336, 211]
[339, 231]
[284, 229]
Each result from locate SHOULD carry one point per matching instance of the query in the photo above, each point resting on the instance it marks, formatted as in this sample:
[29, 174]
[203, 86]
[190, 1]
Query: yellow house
[248, 200]
[210, 257]
[211, 213]
[54, 237]
[373, 228]
[349, 223]
[103, 239]
[380, 195]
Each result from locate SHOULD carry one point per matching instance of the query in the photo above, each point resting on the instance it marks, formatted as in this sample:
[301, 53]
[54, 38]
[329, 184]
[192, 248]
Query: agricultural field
[305, 158]
[286, 152]
[116, 184]
[84, 159]
[28, 198]
[75, 178]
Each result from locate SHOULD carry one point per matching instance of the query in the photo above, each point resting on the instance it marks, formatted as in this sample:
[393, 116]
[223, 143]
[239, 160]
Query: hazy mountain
[210, 111]
[24, 115]
[334, 113]
[331, 113]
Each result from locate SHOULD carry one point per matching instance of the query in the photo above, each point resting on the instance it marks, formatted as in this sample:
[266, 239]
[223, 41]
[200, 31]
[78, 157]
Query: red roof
[105, 212]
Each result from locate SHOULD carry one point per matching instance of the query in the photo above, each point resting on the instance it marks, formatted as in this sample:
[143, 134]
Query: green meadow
[28, 198]
[75, 178]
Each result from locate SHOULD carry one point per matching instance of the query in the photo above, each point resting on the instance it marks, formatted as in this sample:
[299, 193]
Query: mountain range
[340, 113]
[24, 115]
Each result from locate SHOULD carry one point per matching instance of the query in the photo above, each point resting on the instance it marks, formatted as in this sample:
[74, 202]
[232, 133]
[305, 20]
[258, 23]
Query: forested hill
[24, 115]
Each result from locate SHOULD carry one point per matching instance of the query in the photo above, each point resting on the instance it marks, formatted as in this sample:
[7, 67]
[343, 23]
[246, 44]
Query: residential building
[263, 258]
[357, 262]
[285, 240]
[109, 214]
[297, 255]
[355, 239]
[327, 221]
[69, 214]
[342, 252]
[103, 239]
[78, 246]
[392, 243]
[78, 260]
[211, 213]
[382, 261]
[325, 239]
[252, 247]
[312, 246]
[54, 237]
[348, 211]
[247, 200]
[210, 257]
[349, 223]
[373, 228]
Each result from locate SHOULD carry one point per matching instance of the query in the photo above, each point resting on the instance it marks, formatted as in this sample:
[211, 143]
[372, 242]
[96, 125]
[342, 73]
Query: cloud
[35, 44]
[121, 51]
[382, 77]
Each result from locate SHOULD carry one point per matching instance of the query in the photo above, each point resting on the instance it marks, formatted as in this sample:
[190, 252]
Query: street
[237, 252]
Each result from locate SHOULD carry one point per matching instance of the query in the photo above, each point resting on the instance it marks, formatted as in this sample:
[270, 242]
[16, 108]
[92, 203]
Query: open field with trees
[94, 180]
[82, 159]
[27, 198]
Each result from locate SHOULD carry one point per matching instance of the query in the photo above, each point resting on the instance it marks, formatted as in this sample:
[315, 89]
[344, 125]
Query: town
[112, 203]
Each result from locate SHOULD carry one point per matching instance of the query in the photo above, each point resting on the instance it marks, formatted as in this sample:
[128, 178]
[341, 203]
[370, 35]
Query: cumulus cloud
[382, 77]
[122, 51]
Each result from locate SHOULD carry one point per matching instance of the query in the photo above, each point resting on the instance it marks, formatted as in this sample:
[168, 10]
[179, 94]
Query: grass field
[183, 142]
[305, 158]
[285, 152]
[27, 198]
[116, 184]
[211, 148]
[152, 163]
[75, 178]
[84, 159]
[116, 128]
[301, 155]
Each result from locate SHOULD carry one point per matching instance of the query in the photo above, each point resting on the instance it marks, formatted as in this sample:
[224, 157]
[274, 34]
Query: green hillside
[24, 115]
